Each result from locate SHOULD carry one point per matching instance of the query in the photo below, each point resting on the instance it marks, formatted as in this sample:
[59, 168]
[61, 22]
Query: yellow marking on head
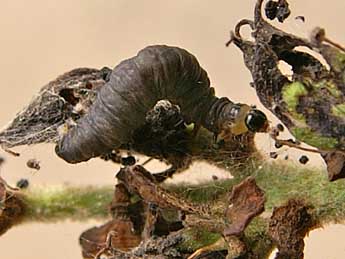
[239, 126]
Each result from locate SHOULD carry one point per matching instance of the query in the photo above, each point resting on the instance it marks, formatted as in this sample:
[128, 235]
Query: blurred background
[42, 39]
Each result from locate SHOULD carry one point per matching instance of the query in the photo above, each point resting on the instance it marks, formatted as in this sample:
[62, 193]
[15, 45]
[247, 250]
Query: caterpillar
[134, 86]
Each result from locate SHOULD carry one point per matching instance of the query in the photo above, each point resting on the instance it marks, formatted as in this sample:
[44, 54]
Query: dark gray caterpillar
[135, 86]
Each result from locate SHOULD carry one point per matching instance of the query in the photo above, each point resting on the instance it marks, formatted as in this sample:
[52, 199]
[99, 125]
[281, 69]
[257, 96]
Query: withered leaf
[288, 226]
[247, 201]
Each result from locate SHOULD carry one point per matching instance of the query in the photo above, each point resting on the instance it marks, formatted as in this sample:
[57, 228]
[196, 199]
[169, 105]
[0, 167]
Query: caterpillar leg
[178, 164]
[196, 130]
[116, 157]
[168, 173]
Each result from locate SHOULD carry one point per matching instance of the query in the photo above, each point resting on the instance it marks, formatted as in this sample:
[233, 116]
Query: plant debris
[140, 181]
[288, 226]
[136, 223]
[63, 100]
[144, 219]
[124, 228]
[12, 208]
[246, 201]
[335, 162]
[310, 103]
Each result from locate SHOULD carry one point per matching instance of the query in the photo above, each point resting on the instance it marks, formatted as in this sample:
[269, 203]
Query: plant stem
[76, 203]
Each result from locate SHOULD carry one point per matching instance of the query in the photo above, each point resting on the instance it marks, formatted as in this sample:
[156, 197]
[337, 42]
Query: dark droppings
[303, 159]
[280, 127]
[23, 183]
[278, 145]
[277, 9]
[283, 11]
[33, 164]
[300, 17]
[273, 155]
[271, 9]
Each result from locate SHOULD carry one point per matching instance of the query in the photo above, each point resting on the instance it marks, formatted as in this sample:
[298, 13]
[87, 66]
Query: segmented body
[134, 87]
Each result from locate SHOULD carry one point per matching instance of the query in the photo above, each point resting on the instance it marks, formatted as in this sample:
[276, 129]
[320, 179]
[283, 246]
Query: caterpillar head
[243, 119]
[256, 121]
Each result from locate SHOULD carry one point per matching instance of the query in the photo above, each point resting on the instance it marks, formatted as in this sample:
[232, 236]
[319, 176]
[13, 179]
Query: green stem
[76, 203]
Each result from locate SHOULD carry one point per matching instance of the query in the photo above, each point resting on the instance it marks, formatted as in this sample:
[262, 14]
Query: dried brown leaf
[247, 201]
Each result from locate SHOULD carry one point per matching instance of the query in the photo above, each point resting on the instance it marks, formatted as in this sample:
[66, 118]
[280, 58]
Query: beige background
[41, 39]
